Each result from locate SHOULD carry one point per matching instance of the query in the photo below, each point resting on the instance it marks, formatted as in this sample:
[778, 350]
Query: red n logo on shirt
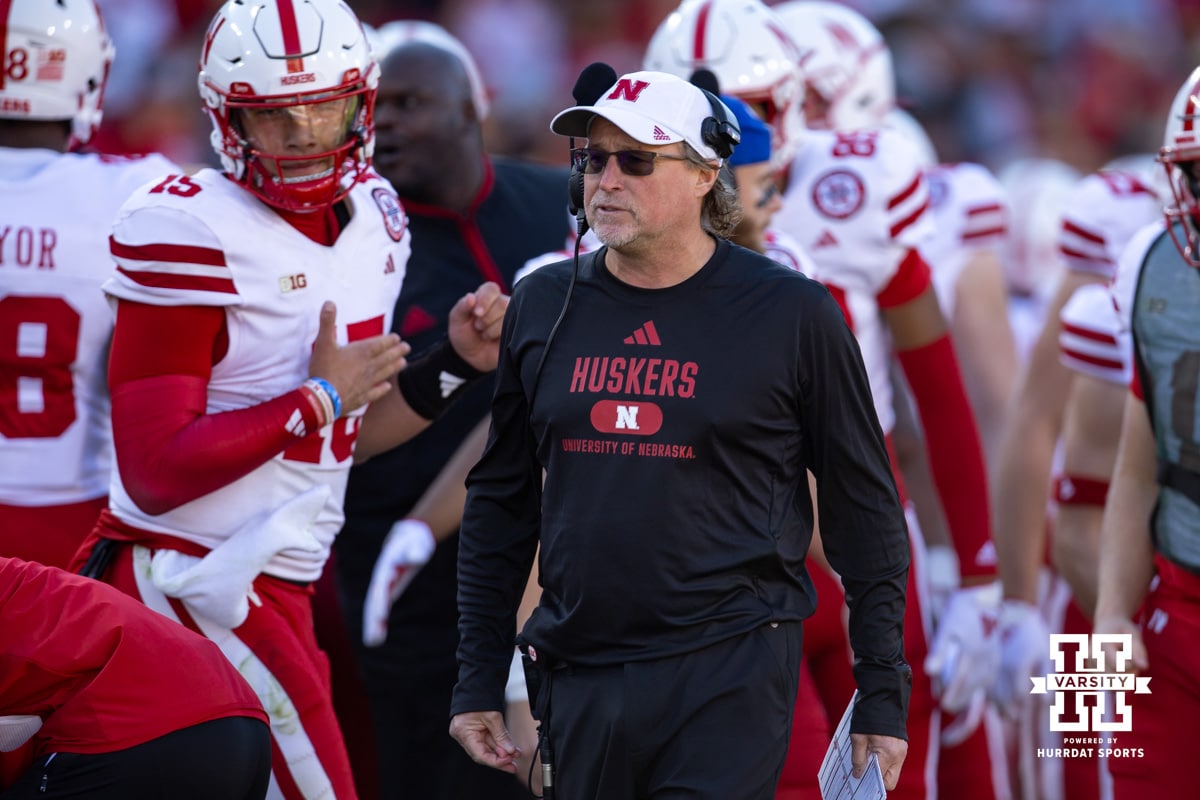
[627, 89]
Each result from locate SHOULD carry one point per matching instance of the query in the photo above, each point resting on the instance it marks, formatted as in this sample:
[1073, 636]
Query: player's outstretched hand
[475, 323]
[360, 371]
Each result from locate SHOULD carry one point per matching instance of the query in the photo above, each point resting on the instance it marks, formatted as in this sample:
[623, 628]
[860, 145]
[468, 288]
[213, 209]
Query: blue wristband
[333, 395]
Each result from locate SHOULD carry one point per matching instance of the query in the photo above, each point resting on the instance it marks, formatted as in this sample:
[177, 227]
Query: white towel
[17, 729]
[220, 585]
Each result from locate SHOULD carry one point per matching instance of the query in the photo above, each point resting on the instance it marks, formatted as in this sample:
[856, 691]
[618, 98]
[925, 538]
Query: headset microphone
[592, 82]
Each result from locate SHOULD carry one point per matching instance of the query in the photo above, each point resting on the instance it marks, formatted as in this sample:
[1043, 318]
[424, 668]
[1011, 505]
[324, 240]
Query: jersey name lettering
[24, 246]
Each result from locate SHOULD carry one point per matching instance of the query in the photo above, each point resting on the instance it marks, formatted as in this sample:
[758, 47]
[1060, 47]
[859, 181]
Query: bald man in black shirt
[470, 215]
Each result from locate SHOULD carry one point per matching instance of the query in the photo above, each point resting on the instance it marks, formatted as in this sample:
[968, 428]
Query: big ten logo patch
[1091, 682]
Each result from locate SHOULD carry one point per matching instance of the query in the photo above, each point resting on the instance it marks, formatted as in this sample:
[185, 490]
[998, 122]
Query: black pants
[708, 725]
[228, 758]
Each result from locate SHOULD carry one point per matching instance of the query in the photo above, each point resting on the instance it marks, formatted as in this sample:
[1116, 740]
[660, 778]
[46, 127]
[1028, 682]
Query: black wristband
[431, 382]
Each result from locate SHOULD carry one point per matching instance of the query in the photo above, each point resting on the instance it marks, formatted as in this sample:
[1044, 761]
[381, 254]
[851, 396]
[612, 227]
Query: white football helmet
[304, 61]
[1179, 154]
[744, 44]
[846, 62]
[56, 57]
[914, 131]
[1037, 191]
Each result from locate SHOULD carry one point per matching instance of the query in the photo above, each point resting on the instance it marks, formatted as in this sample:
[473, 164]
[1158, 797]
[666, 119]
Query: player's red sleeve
[912, 278]
[955, 451]
[169, 450]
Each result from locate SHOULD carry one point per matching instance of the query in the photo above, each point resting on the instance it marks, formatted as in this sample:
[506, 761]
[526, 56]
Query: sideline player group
[192, 361]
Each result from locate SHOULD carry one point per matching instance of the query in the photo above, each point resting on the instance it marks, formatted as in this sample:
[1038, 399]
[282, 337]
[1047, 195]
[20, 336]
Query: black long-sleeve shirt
[519, 213]
[675, 427]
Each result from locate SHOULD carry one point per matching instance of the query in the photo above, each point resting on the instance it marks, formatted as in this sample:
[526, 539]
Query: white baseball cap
[654, 108]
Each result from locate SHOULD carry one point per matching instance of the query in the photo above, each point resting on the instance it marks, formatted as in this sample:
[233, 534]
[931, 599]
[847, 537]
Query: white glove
[1024, 653]
[408, 547]
[942, 578]
[964, 655]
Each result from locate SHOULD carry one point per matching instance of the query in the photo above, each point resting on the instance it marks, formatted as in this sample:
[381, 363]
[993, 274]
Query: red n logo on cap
[627, 89]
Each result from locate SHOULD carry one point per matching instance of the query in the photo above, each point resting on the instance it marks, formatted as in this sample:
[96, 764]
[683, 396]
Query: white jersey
[1091, 340]
[587, 244]
[1102, 213]
[1129, 267]
[207, 241]
[969, 211]
[856, 204]
[56, 212]
[784, 249]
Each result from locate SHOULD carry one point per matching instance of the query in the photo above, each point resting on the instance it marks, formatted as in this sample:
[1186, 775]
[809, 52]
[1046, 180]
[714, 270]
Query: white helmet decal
[56, 57]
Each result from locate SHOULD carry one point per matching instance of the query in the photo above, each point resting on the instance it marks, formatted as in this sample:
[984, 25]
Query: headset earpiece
[720, 131]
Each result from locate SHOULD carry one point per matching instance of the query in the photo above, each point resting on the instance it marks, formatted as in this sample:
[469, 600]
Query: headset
[719, 131]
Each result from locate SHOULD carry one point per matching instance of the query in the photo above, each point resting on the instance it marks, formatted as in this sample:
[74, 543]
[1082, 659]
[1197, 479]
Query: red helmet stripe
[291, 35]
[701, 32]
[5, 10]
[208, 37]
[1190, 111]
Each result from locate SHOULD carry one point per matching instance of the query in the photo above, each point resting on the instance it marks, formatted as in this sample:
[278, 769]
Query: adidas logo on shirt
[646, 335]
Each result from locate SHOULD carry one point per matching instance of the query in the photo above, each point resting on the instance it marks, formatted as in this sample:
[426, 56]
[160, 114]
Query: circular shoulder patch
[838, 194]
[393, 214]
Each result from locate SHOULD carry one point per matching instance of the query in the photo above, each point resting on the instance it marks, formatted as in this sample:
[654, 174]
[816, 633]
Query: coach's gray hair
[722, 208]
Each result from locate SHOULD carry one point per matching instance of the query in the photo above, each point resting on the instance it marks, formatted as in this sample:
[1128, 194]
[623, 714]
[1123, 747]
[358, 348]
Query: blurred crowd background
[993, 81]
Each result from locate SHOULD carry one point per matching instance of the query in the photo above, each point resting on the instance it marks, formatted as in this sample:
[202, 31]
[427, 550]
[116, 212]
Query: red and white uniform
[1107, 211]
[56, 211]
[210, 243]
[969, 212]
[1092, 340]
[856, 204]
[205, 241]
[787, 251]
[1102, 214]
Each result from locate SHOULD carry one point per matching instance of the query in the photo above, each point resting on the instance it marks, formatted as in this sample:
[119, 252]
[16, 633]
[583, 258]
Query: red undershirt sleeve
[955, 451]
[169, 449]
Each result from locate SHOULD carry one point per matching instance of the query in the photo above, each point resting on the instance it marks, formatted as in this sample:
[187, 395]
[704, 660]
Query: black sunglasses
[639, 163]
